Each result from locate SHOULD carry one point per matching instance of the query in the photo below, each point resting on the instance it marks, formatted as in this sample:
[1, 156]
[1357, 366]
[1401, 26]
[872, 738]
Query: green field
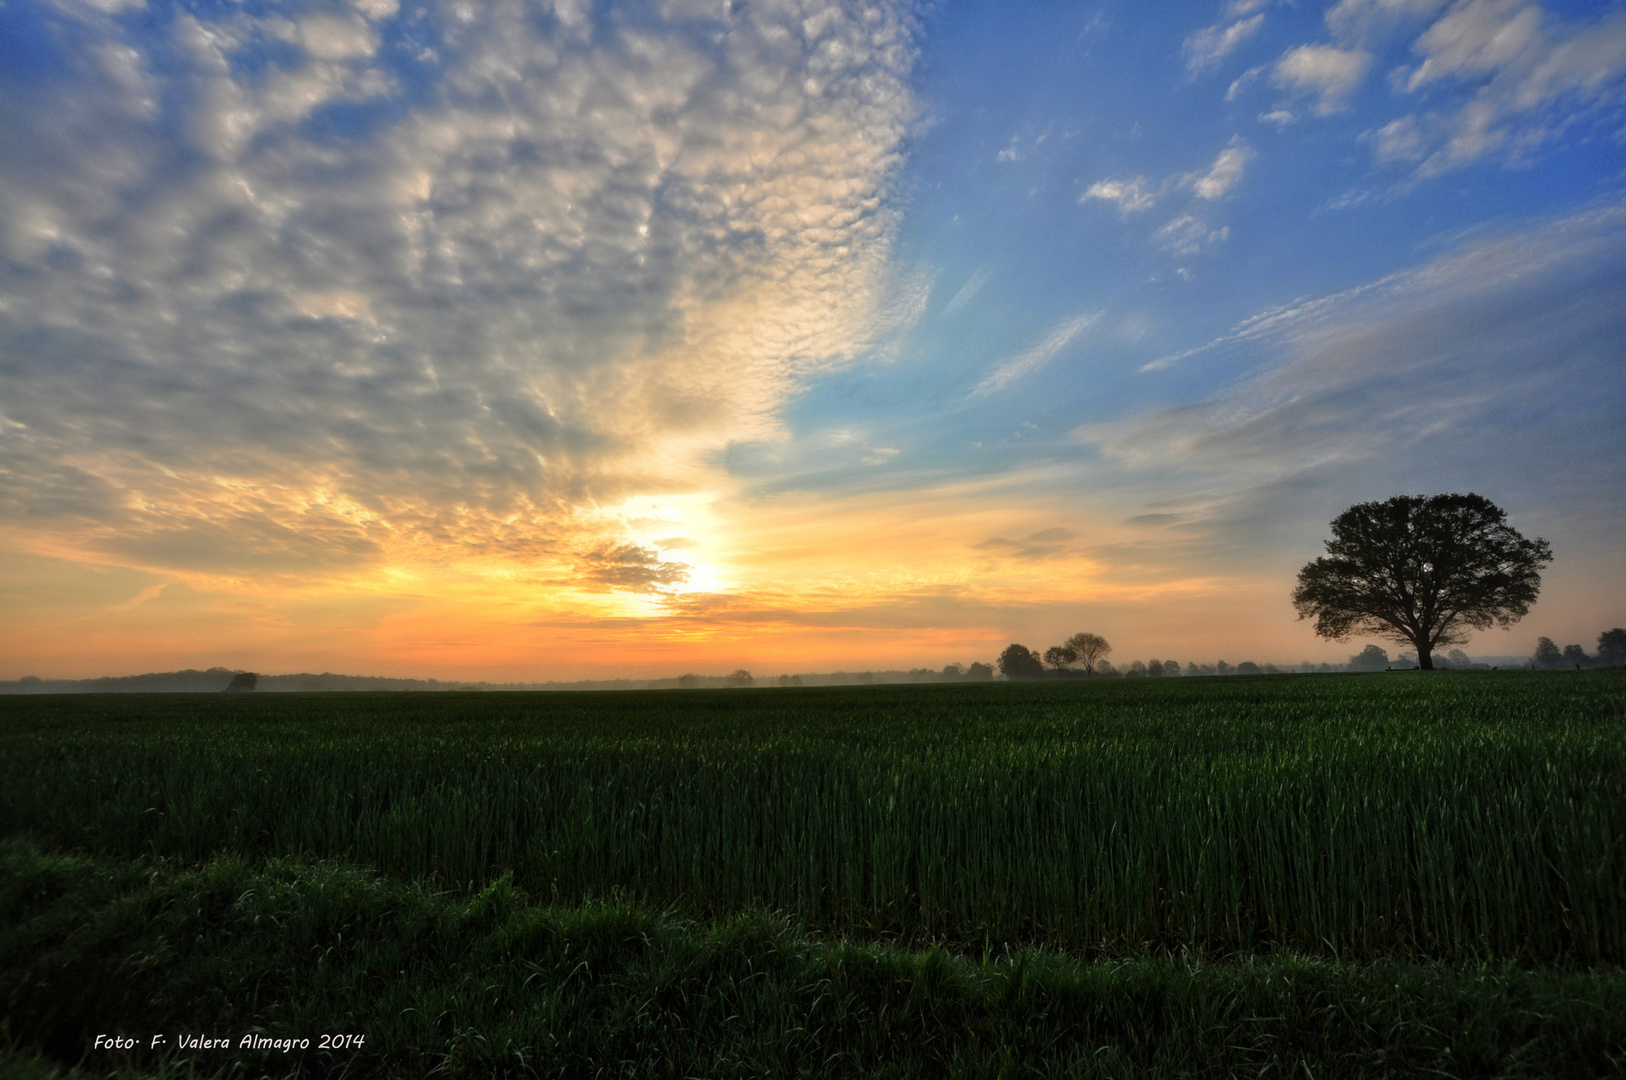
[1357, 874]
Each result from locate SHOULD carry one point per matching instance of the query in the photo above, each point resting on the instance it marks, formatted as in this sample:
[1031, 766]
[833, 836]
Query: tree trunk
[1425, 659]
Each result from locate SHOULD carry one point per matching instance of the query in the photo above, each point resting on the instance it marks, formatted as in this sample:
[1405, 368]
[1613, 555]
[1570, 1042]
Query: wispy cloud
[968, 291]
[1044, 544]
[1356, 19]
[1189, 235]
[1138, 194]
[1130, 196]
[1209, 46]
[1495, 78]
[1490, 368]
[1534, 74]
[1038, 356]
[1325, 72]
[1223, 175]
[1543, 262]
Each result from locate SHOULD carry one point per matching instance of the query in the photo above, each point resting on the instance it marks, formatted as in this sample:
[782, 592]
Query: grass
[1446, 817]
[488, 984]
[1399, 874]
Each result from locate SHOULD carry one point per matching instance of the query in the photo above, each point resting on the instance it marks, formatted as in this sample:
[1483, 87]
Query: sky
[523, 341]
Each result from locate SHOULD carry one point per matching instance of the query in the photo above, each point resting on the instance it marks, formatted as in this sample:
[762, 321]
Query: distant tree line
[1611, 653]
[1067, 661]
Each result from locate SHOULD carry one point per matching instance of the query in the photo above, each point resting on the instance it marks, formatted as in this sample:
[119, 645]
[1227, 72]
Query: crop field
[1452, 827]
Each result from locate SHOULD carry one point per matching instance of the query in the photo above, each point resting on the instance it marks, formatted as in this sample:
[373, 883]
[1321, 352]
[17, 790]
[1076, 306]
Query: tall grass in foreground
[485, 985]
[1447, 817]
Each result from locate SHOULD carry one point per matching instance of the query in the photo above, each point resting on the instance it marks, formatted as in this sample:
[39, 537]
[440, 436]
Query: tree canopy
[1059, 656]
[1612, 647]
[1090, 648]
[1371, 658]
[1423, 571]
[1018, 662]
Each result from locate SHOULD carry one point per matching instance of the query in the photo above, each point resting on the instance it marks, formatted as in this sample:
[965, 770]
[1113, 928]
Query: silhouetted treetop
[1422, 571]
[1091, 649]
[1612, 647]
[1018, 662]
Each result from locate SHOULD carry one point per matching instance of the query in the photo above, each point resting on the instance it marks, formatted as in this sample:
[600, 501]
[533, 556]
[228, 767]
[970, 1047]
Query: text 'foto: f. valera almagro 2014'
[249, 1041]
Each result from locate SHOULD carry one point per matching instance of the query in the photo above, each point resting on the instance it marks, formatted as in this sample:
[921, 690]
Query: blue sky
[547, 339]
[1023, 116]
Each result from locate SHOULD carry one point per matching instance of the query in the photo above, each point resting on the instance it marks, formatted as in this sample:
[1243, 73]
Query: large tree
[1019, 662]
[1422, 571]
[1090, 649]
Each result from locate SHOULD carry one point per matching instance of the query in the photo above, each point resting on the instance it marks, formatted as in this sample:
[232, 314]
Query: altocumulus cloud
[327, 285]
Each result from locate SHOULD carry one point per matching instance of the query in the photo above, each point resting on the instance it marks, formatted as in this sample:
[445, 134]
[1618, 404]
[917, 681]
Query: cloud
[1208, 46]
[1328, 73]
[1138, 194]
[1357, 19]
[629, 567]
[1534, 74]
[1398, 140]
[1476, 38]
[1493, 78]
[1242, 82]
[1131, 196]
[970, 289]
[1189, 235]
[1494, 360]
[269, 275]
[1225, 173]
[1045, 544]
[1495, 368]
[1282, 118]
[1038, 356]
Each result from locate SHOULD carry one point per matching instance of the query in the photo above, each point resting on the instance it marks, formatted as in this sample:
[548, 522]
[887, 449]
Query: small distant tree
[790, 680]
[740, 677]
[1457, 658]
[1612, 647]
[1547, 654]
[689, 682]
[1222, 668]
[1154, 668]
[243, 682]
[979, 672]
[1018, 662]
[952, 671]
[1136, 668]
[1089, 649]
[1575, 656]
[1371, 658]
[1421, 571]
[1171, 667]
[1247, 667]
[1059, 656]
